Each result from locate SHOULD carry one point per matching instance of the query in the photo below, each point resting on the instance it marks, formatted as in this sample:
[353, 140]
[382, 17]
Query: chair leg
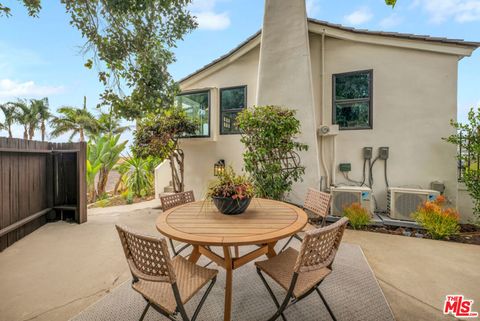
[286, 244]
[278, 313]
[326, 304]
[173, 247]
[204, 297]
[145, 311]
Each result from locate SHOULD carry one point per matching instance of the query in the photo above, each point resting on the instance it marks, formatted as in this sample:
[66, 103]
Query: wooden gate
[39, 182]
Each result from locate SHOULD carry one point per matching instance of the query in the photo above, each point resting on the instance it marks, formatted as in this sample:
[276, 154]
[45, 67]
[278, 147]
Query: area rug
[352, 292]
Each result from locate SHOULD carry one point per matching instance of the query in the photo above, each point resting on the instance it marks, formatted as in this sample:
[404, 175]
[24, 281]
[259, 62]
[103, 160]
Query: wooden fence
[39, 182]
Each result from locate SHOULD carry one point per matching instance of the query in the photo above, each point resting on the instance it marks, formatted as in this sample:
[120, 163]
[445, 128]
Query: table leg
[228, 283]
[271, 250]
[237, 251]
[195, 255]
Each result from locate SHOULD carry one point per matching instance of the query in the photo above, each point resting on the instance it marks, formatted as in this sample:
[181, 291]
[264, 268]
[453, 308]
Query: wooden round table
[264, 223]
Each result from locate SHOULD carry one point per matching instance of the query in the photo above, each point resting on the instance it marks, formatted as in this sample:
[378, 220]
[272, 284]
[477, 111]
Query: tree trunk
[82, 137]
[42, 128]
[177, 167]
[10, 132]
[117, 185]
[31, 132]
[102, 180]
[25, 133]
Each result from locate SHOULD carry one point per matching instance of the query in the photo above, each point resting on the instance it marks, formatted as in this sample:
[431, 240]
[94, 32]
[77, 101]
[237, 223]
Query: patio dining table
[264, 223]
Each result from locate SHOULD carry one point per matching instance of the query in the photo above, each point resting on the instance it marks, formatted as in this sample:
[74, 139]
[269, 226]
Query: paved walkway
[62, 268]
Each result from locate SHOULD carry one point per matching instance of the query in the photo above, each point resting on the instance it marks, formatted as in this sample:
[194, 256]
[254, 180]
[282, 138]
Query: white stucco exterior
[414, 99]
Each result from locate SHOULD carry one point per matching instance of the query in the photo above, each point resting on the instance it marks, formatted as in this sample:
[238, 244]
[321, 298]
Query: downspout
[323, 138]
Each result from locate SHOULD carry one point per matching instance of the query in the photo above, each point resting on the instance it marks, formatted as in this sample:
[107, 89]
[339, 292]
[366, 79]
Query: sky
[41, 57]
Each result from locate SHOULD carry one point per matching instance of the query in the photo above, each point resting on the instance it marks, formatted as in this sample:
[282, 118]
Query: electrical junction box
[367, 152]
[345, 167]
[383, 153]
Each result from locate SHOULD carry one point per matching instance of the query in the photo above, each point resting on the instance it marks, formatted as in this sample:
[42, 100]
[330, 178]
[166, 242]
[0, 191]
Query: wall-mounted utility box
[345, 167]
[328, 130]
[383, 153]
[367, 152]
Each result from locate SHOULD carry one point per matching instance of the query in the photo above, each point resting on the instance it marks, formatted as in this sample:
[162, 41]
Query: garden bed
[469, 233]
[118, 201]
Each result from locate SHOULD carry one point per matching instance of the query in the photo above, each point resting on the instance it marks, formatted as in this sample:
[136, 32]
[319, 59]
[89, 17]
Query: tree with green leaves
[271, 150]
[75, 121]
[40, 109]
[158, 135]
[110, 123]
[130, 43]
[467, 138]
[8, 110]
[23, 115]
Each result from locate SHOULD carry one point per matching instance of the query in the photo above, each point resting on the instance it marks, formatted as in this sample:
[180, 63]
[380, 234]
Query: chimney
[285, 78]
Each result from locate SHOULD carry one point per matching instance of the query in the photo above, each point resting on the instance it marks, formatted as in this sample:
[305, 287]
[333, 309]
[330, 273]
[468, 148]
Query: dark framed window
[197, 106]
[232, 101]
[352, 100]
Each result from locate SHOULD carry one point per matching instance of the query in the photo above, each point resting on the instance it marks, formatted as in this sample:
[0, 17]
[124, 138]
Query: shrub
[439, 222]
[104, 202]
[271, 150]
[357, 215]
[231, 185]
[129, 198]
[467, 139]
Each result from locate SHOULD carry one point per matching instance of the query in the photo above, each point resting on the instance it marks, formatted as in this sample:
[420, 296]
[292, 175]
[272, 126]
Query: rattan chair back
[317, 202]
[174, 200]
[320, 246]
[147, 256]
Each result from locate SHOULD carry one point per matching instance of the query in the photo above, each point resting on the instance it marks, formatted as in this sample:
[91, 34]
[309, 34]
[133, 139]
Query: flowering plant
[439, 221]
[229, 184]
[358, 217]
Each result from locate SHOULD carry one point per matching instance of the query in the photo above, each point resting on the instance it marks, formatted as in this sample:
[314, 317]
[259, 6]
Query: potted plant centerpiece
[231, 193]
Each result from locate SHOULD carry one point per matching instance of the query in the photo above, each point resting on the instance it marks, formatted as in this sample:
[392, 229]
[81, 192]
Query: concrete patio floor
[60, 269]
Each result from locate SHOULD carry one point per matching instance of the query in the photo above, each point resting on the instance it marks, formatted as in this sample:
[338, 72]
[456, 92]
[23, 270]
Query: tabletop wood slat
[201, 223]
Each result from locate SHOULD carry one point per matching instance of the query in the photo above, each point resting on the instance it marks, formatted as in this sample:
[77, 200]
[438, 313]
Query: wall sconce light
[219, 168]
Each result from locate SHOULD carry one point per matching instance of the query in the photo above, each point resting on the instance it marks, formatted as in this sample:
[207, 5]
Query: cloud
[207, 17]
[10, 89]
[391, 21]
[440, 11]
[313, 7]
[359, 16]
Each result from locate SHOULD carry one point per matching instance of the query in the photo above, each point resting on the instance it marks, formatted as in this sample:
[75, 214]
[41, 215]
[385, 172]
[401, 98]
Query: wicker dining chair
[317, 203]
[301, 272]
[174, 200]
[166, 284]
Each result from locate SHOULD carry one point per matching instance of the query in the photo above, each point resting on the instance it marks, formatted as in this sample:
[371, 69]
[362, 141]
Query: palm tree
[22, 115]
[76, 120]
[8, 110]
[110, 124]
[40, 108]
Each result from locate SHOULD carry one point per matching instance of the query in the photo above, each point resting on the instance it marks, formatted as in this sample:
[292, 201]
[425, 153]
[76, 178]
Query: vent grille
[344, 199]
[407, 203]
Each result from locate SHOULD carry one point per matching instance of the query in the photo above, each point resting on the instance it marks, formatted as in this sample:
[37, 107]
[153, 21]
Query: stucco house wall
[414, 99]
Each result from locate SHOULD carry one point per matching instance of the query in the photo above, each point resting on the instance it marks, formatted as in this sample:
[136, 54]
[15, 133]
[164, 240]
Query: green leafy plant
[158, 136]
[104, 202]
[439, 222]
[229, 184]
[138, 174]
[129, 198]
[358, 216]
[270, 157]
[467, 138]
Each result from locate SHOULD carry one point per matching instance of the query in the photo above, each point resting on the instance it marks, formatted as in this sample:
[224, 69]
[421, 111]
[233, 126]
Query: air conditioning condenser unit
[403, 202]
[344, 196]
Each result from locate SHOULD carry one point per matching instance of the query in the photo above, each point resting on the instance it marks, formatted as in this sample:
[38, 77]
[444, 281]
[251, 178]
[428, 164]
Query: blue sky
[40, 57]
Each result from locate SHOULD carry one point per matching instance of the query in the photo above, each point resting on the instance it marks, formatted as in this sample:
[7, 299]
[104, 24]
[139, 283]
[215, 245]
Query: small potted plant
[231, 193]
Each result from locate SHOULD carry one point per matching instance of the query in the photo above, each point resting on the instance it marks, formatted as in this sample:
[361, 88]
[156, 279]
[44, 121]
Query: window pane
[196, 106]
[353, 115]
[352, 86]
[229, 125]
[232, 98]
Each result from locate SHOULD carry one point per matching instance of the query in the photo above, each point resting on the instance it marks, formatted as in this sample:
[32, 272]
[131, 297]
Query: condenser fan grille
[343, 199]
[406, 204]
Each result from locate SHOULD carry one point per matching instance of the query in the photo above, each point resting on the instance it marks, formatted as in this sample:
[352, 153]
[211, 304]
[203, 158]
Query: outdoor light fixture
[219, 168]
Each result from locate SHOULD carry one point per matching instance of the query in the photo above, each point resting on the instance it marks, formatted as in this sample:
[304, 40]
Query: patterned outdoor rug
[351, 291]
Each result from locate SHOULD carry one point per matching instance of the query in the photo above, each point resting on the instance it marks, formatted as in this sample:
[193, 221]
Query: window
[232, 101]
[197, 106]
[352, 100]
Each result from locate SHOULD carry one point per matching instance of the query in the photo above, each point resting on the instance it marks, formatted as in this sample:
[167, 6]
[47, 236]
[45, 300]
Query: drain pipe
[323, 138]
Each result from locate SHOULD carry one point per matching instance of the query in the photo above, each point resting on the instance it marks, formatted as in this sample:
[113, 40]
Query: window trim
[199, 91]
[370, 99]
[230, 110]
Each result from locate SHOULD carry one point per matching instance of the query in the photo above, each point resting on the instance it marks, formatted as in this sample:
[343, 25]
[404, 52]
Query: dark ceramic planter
[229, 206]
